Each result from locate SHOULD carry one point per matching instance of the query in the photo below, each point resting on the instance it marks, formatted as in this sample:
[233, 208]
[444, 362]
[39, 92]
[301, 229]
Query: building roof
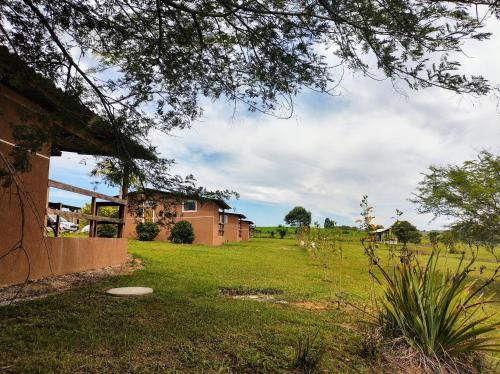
[236, 214]
[220, 202]
[247, 220]
[380, 230]
[77, 128]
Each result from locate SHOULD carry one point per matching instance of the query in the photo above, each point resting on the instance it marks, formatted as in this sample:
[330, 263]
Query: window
[189, 206]
[222, 218]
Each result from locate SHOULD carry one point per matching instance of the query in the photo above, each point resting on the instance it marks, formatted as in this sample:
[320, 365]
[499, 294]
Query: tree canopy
[298, 217]
[406, 232]
[470, 193]
[329, 223]
[146, 65]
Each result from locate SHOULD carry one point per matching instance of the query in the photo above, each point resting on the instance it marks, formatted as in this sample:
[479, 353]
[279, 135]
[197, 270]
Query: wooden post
[93, 224]
[124, 194]
[58, 222]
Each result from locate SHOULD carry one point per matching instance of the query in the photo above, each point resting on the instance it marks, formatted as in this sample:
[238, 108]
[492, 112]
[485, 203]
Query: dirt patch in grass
[51, 285]
[256, 294]
[313, 305]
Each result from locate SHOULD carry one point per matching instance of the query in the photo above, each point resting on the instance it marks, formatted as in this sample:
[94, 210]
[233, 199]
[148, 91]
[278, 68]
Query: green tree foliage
[103, 230]
[298, 217]
[434, 237]
[449, 239]
[121, 57]
[406, 232]
[282, 231]
[107, 231]
[470, 193]
[147, 231]
[329, 223]
[182, 232]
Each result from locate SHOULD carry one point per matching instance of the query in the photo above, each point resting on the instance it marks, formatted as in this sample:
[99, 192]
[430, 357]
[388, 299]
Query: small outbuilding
[384, 235]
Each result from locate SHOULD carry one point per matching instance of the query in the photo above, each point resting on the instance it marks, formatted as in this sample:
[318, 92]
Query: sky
[370, 139]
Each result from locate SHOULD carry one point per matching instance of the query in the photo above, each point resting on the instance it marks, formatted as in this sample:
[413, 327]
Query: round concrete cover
[129, 291]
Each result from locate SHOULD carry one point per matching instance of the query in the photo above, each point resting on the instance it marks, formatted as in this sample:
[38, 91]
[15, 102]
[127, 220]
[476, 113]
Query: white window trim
[224, 219]
[190, 211]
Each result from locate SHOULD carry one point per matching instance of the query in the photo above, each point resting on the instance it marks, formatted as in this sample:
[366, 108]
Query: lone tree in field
[470, 193]
[406, 232]
[329, 223]
[298, 217]
[146, 66]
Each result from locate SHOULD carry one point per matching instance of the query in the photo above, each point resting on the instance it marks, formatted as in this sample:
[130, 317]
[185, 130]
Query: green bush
[272, 233]
[147, 231]
[182, 232]
[437, 313]
[107, 231]
[282, 231]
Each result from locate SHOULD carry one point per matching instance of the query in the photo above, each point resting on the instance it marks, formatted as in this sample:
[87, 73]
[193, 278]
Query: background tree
[144, 66]
[105, 230]
[470, 193]
[434, 237]
[298, 217]
[329, 223]
[406, 232]
[282, 231]
[449, 240]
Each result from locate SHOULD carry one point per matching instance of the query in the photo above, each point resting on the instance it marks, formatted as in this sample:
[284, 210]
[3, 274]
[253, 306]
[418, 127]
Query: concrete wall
[205, 222]
[41, 256]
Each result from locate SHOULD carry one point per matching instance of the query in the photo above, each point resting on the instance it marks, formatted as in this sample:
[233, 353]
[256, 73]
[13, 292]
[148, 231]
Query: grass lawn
[186, 325]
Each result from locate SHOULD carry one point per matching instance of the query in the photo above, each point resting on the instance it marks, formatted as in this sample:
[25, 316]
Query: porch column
[123, 194]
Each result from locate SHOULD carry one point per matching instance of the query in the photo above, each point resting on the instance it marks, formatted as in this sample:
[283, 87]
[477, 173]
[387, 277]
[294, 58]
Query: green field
[188, 326]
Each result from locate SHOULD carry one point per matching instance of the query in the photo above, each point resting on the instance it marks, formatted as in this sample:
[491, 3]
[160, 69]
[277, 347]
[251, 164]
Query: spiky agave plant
[441, 314]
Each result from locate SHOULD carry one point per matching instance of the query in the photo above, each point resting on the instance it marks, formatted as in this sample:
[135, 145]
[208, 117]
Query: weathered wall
[70, 255]
[14, 267]
[43, 256]
[205, 222]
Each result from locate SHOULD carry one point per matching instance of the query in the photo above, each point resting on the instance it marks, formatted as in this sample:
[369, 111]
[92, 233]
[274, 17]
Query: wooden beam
[82, 191]
[107, 203]
[89, 217]
[76, 129]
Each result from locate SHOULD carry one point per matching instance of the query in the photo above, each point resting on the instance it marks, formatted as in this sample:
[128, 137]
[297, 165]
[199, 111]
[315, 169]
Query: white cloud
[370, 140]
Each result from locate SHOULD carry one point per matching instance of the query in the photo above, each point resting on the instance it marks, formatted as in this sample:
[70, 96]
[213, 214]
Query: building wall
[41, 256]
[205, 222]
[232, 228]
[245, 230]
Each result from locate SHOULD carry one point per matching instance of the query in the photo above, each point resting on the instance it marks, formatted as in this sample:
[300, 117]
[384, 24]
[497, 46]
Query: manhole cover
[129, 291]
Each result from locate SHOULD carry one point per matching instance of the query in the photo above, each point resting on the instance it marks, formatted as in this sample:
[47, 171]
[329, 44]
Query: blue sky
[369, 139]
